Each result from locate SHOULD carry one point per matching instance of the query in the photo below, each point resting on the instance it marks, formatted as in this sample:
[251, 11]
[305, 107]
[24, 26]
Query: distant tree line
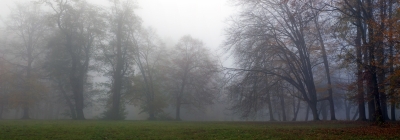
[52, 51]
[292, 58]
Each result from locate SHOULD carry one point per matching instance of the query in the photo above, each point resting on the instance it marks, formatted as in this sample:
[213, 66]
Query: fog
[171, 20]
[205, 19]
[191, 60]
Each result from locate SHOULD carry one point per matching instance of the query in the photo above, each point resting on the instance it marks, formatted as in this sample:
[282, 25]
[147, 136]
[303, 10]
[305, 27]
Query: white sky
[203, 19]
[172, 19]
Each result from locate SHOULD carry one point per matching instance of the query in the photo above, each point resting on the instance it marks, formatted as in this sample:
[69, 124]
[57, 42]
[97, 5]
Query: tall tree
[151, 60]
[56, 67]
[80, 23]
[28, 29]
[123, 24]
[278, 30]
[194, 70]
[360, 85]
[320, 37]
[6, 78]
[391, 62]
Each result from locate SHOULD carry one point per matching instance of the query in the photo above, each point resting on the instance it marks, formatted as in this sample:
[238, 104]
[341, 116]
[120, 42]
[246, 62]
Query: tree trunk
[69, 103]
[28, 83]
[152, 115]
[392, 83]
[311, 91]
[307, 81]
[25, 109]
[378, 112]
[181, 90]
[271, 114]
[328, 75]
[297, 109]
[282, 100]
[76, 78]
[355, 115]
[371, 107]
[370, 77]
[117, 77]
[324, 111]
[393, 112]
[149, 91]
[72, 110]
[360, 85]
[347, 109]
[381, 62]
[279, 116]
[383, 97]
[314, 111]
[178, 109]
[373, 86]
[370, 97]
[312, 102]
[79, 102]
[307, 113]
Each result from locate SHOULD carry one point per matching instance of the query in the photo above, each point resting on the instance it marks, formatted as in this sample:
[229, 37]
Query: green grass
[55, 130]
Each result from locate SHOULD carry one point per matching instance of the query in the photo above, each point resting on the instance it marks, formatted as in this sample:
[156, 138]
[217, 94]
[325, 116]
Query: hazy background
[205, 20]
[171, 19]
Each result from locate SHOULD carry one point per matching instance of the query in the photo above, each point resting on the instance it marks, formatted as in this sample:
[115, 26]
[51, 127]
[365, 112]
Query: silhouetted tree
[80, 23]
[193, 73]
[27, 27]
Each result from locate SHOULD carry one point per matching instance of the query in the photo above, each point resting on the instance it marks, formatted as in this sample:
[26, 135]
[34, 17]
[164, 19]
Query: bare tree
[6, 78]
[57, 71]
[318, 25]
[27, 28]
[119, 53]
[245, 95]
[151, 60]
[274, 33]
[193, 70]
[80, 23]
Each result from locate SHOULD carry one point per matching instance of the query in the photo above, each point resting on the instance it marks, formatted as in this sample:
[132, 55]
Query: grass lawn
[70, 130]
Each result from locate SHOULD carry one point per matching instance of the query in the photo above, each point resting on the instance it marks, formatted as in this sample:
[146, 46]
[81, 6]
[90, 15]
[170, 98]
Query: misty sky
[172, 19]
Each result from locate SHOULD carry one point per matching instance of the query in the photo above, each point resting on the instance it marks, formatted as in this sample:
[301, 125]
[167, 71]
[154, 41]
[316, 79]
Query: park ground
[115, 130]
